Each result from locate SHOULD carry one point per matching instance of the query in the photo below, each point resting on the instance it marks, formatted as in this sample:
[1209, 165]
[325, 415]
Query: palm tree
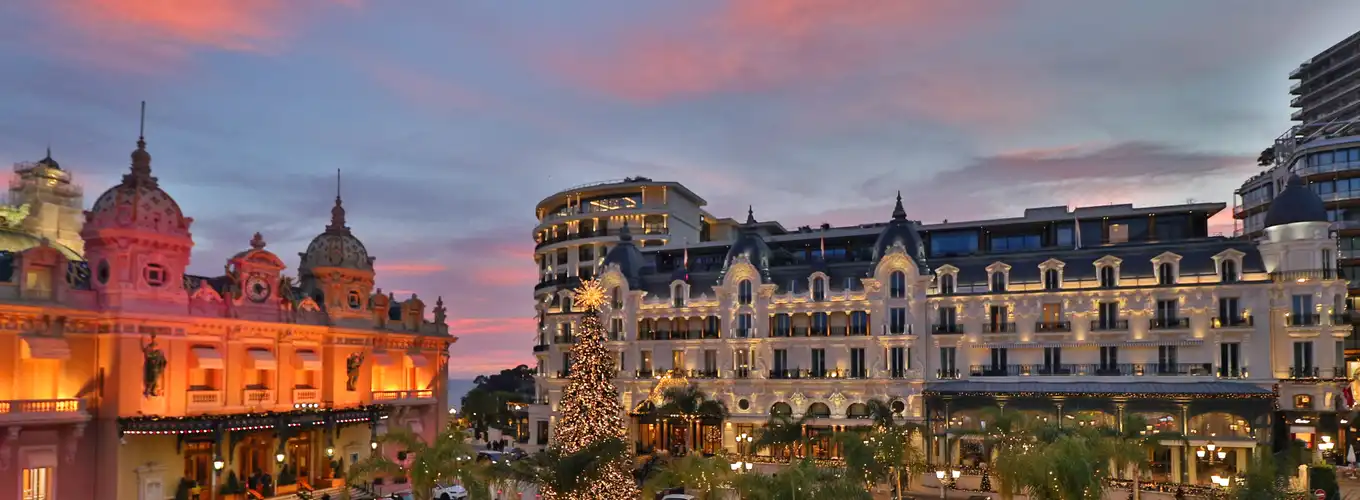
[1130, 444]
[784, 432]
[801, 480]
[448, 459]
[885, 451]
[708, 477]
[1010, 436]
[1261, 480]
[689, 404]
[562, 473]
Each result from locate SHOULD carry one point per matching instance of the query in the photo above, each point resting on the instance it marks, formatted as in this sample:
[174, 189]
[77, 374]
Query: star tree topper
[591, 294]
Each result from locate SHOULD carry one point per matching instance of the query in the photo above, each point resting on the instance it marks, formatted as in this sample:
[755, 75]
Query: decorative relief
[798, 401]
[352, 365]
[153, 368]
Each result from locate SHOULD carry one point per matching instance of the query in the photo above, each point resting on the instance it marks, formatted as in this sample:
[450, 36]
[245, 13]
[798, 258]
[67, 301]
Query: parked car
[490, 456]
[451, 492]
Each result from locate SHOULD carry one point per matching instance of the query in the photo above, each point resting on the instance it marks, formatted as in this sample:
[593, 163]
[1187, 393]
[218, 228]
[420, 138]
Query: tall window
[713, 325]
[859, 323]
[616, 329]
[819, 362]
[897, 366]
[781, 360]
[37, 484]
[897, 320]
[998, 318]
[1107, 278]
[1053, 360]
[1229, 355]
[1166, 312]
[710, 361]
[857, 367]
[1303, 359]
[1302, 312]
[645, 363]
[947, 367]
[818, 289]
[1108, 316]
[1167, 359]
[566, 364]
[1166, 274]
[998, 282]
[1051, 281]
[678, 296]
[1228, 271]
[743, 325]
[819, 323]
[897, 285]
[947, 284]
[744, 292]
[948, 322]
[999, 360]
[782, 325]
[743, 363]
[1109, 360]
[1228, 313]
[677, 360]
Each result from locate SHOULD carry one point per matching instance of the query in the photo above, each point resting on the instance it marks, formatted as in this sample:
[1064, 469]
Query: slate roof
[1207, 388]
[1196, 258]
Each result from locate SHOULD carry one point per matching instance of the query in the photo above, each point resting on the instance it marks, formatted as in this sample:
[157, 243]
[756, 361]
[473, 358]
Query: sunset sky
[451, 119]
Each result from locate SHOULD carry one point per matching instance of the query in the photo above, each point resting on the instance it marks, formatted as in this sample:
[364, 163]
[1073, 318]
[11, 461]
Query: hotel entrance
[255, 455]
[299, 453]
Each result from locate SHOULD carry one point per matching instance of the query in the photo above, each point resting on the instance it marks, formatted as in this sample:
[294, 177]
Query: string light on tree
[590, 407]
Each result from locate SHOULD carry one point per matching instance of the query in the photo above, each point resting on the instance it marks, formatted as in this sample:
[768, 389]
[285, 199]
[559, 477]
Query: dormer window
[897, 285]
[1166, 274]
[1107, 277]
[1227, 271]
[744, 292]
[818, 289]
[678, 295]
[947, 284]
[998, 282]
[1052, 281]
[566, 304]
[999, 276]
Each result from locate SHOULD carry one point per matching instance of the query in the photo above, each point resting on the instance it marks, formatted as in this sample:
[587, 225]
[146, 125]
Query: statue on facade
[352, 365]
[381, 308]
[153, 366]
[440, 313]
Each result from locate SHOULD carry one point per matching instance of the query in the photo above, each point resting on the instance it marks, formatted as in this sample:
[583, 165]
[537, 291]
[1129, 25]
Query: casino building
[122, 376]
[1077, 316]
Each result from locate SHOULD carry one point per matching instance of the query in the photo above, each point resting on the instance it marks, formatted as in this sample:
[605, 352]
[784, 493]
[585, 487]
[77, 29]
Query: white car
[678, 496]
[452, 492]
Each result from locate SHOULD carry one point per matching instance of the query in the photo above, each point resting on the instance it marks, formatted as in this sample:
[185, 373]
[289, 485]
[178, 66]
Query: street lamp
[278, 457]
[330, 452]
[939, 475]
[218, 464]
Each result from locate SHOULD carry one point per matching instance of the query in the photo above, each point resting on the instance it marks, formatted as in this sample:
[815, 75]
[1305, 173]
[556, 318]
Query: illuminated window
[744, 292]
[37, 484]
[897, 285]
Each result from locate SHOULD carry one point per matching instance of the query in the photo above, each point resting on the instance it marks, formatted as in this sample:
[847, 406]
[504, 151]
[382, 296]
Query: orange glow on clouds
[516, 326]
[409, 268]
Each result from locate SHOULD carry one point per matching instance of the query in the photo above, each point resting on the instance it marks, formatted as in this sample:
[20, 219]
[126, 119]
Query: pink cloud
[409, 268]
[142, 35]
[498, 326]
[746, 46]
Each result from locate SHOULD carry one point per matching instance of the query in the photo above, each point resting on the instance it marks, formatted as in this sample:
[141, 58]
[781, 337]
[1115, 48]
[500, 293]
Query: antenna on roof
[141, 128]
[337, 183]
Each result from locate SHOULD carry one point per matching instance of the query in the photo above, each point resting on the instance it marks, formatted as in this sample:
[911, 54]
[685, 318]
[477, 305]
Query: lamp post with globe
[217, 464]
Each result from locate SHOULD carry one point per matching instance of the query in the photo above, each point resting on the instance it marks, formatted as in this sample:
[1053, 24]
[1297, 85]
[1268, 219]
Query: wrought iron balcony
[1052, 326]
[1168, 323]
[946, 328]
[1109, 325]
[993, 327]
[1233, 322]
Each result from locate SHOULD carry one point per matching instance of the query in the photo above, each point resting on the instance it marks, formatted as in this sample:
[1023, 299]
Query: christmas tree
[590, 409]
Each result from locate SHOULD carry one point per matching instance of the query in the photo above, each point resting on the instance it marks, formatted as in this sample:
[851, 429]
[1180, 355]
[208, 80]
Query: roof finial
[750, 214]
[141, 160]
[899, 213]
[625, 234]
[338, 211]
[257, 242]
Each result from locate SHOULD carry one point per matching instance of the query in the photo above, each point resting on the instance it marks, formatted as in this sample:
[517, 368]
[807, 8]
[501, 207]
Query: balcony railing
[1109, 325]
[306, 396]
[1303, 319]
[649, 229]
[15, 411]
[1088, 369]
[998, 327]
[947, 374]
[678, 335]
[202, 399]
[1168, 323]
[1233, 322]
[257, 397]
[701, 373]
[1305, 276]
[409, 396]
[1052, 326]
[946, 328]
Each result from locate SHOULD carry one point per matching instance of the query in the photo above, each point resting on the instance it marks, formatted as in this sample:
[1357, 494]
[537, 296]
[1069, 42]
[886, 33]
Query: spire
[47, 161]
[750, 214]
[337, 224]
[624, 233]
[898, 212]
[141, 160]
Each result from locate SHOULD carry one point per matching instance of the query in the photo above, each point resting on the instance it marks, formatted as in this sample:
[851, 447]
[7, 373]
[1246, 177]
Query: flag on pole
[823, 248]
[1077, 231]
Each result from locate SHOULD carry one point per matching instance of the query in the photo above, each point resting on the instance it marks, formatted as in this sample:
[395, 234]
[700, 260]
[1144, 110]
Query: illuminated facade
[125, 375]
[1081, 315]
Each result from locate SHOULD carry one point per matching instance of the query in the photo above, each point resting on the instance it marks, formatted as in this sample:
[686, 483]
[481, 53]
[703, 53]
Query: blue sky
[450, 120]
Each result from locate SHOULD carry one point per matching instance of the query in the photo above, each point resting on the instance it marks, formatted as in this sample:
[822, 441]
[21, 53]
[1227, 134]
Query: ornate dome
[750, 245]
[901, 231]
[138, 202]
[337, 247]
[628, 257]
[1296, 203]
